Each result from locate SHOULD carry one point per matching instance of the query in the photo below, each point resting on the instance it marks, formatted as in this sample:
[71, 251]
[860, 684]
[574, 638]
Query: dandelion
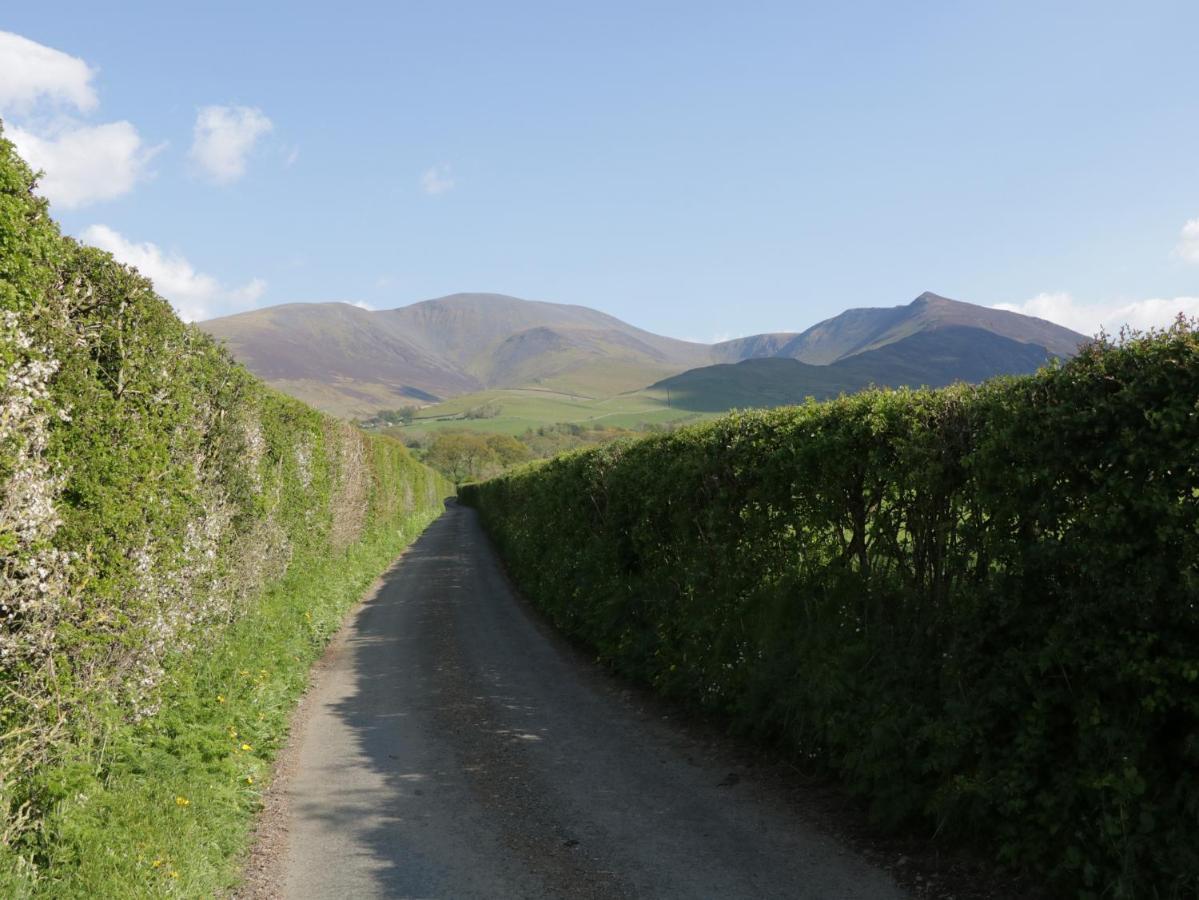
[249, 779]
[246, 747]
[182, 801]
[220, 698]
[174, 874]
[157, 864]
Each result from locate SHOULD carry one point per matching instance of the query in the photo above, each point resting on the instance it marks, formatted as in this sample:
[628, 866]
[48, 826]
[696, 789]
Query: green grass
[167, 810]
[522, 409]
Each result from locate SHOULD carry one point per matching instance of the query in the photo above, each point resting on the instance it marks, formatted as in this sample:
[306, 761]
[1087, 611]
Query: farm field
[522, 409]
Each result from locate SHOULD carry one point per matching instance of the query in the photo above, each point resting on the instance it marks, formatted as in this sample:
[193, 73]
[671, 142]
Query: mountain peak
[350, 361]
[929, 297]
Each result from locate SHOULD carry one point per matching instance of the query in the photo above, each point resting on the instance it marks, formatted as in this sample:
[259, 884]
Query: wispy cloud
[438, 180]
[194, 295]
[1087, 318]
[224, 137]
[82, 163]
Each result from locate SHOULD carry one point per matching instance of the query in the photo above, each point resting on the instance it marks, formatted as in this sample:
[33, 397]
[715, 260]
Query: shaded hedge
[976, 605]
[150, 490]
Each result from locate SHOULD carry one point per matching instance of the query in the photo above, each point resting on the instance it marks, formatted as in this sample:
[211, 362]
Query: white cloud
[361, 304]
[82, 163]
[193, 294]
[1188, 241]
[85, 163]
[1087, 318]
[31, 73]
[437, 180]
[223, 138]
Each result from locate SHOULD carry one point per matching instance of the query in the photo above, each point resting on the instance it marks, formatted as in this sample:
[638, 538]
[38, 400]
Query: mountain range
[352, 361]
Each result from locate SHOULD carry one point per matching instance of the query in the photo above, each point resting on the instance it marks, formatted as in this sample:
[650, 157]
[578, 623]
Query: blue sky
[701, 170]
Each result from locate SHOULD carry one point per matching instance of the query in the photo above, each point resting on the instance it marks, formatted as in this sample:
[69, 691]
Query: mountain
[860, 330]
[353, 361]
[933, 358]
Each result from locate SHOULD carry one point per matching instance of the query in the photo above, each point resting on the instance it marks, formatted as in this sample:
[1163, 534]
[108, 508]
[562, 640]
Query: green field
[522, 409]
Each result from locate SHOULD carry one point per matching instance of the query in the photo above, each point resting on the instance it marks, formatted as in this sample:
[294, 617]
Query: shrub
[976, 605]
[151, 490]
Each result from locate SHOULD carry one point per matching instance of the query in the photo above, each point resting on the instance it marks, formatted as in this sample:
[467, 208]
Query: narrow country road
[452, 749]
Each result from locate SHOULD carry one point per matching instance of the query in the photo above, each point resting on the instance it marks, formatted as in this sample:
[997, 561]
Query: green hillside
[522, 409]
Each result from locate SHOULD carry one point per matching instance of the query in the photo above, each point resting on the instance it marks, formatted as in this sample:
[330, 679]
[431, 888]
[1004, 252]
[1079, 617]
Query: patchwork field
[522, 409]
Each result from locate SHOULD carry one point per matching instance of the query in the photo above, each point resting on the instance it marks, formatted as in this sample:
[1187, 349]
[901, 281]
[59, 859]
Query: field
[527, 408]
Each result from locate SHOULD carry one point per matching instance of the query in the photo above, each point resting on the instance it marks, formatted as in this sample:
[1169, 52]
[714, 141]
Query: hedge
[151, 490]
[975, 605]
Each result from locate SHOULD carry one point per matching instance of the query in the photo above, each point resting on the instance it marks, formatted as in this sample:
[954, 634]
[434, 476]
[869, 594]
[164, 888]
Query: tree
[508, 450]
[462, 456]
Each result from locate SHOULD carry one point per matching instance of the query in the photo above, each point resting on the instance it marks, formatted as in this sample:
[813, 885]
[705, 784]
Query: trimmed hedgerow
[151, 493]
[976, 605]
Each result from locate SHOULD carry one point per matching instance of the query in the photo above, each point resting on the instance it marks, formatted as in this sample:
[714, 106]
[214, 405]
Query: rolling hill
[352, 361]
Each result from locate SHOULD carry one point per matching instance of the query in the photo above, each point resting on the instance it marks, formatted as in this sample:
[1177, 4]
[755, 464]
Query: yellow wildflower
[157, 863]
[182, 801]
[246, 747]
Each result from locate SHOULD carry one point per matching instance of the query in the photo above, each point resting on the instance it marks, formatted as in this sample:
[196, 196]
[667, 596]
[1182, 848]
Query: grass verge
[165, 808]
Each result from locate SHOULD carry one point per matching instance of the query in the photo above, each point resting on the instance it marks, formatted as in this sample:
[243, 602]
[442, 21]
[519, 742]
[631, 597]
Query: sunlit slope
[353, 361]
[525, 408]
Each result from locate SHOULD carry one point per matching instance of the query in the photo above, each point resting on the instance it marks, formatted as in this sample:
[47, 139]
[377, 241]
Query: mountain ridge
[352, 361]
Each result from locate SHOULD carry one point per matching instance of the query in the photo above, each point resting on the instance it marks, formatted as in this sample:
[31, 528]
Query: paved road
[453, 749]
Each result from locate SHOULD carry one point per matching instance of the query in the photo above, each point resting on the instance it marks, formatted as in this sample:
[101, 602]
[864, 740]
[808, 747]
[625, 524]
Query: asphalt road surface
[452, 748]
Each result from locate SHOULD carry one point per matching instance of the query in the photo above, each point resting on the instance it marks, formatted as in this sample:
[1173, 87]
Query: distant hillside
[352, 361]
[859, 330]
[930, 358]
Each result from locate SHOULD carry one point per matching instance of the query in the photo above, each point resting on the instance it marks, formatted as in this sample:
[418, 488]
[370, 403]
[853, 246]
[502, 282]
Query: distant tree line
[463, 455]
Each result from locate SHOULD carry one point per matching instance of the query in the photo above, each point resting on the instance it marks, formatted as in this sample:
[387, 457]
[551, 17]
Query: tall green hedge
[150, 489]
[977, 605]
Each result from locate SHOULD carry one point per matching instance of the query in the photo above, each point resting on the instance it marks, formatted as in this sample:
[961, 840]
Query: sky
[702, 170]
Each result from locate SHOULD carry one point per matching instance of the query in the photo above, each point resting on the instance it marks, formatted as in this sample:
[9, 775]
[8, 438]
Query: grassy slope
[529, 408]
